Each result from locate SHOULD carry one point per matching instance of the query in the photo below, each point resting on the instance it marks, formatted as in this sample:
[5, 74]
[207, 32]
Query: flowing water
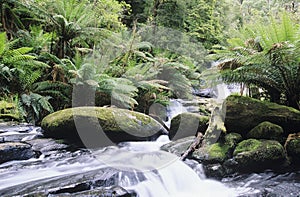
[138, 168]
[129, 169]
[134, 166]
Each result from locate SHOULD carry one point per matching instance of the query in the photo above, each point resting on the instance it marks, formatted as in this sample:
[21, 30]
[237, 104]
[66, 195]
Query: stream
[129, 169]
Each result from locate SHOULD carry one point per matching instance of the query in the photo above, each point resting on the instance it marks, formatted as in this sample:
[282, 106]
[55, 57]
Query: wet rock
[212, 154]
[47, 146]
[257, 155]
[187, 124]
[100, 126]
[267, 130]
[218, 152]
[244, 113]
[105, 192]
[206, 93]
[178, 147]
[232, 139]
[15, 151]
[214, 170]
[292, 146]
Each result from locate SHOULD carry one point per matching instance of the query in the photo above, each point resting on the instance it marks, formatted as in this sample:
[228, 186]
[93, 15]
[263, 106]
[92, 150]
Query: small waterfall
[174, 108]
[164, 173]
[135, 166]
[178, 180]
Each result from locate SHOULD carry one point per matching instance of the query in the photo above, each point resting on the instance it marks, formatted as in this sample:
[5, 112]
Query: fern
[33, 106]
[269, 59]
[121, 90]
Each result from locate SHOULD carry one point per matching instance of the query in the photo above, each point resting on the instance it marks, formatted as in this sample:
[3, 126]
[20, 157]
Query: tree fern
[269, 59]
[122, 91]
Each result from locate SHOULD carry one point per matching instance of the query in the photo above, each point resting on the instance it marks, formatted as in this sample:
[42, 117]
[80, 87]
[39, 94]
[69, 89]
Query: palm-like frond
[268, 59]
[121, 90]
[34, 105]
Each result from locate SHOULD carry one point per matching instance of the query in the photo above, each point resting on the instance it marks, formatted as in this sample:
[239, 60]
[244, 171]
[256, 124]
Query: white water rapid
[135, 166]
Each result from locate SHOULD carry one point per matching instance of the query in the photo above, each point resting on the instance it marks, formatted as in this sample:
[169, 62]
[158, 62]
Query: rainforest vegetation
[108, 51]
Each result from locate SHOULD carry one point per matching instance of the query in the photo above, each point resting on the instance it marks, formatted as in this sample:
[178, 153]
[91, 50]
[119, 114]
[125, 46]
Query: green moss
[218, 151]
[232, 139]
[293, 149]
[10, 116]
[244, 113]
[247, 146]
[6, 105]
[8, 111]
[267, 130]
[258, 155]
[115, 122]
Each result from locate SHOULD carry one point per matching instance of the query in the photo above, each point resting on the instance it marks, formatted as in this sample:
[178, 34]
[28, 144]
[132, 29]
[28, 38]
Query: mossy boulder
[232, 139]
[218, 152]
[256, 155]
[100, 126]
[244, 113]
[267, 130]
[15, 151]
[211, 154]
[8, 111]
[187, 124]
[292, 146]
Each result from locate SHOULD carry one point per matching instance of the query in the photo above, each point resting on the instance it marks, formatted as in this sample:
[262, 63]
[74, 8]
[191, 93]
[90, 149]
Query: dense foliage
[266, 56]
[135, 53]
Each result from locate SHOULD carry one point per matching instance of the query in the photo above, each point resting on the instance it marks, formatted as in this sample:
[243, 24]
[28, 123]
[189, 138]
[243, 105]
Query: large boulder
[187, 124]
[244, 113]
[292, 146]
[15, 151]
[257, 155]
[267, 130]
[218, 152]
[100, 126]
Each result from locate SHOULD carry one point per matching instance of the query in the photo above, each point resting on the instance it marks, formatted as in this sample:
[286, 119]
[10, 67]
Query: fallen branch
[213, 132]
[198, 141]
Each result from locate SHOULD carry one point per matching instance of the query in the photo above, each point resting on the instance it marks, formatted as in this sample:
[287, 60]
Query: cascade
[135, 166]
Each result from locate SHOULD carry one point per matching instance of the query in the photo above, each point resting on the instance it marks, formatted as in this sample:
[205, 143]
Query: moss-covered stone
[187, 124]
[292, 146]
[215, 153]
[244, 113]
[232, 139]
[267, 130]
[257, 155]
[87, 124]
[8, 111]
[218, 152]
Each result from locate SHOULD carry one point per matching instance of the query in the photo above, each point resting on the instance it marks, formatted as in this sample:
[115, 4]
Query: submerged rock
[292, 146]
[257, 155]
[15, 151]
[99, 126]
[187, 124]
[244, 113]
[267, 130]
